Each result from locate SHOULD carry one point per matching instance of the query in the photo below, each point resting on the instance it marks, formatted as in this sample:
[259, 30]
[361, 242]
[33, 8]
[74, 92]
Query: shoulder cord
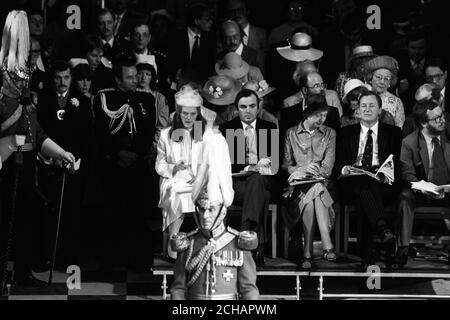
[198, 263]
[123, 112]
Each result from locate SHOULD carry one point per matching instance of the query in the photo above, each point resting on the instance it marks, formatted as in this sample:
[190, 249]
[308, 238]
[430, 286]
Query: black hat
[314, 104]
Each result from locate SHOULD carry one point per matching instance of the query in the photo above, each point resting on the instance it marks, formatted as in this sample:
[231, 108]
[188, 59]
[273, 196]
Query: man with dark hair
[367, 145]
[255, 182]
[112, 45]
[194, 45]
[125, 129]
[425, 155]
[66, 116]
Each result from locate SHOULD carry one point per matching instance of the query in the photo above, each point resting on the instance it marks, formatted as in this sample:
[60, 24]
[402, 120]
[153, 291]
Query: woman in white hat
[382, 74]
[179, 149]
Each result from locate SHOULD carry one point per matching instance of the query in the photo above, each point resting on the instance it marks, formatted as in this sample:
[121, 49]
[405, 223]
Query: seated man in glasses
[425, 155]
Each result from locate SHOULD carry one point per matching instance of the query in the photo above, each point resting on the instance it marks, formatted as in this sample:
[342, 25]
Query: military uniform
[125, 125]
[17, 188]
[228, 274]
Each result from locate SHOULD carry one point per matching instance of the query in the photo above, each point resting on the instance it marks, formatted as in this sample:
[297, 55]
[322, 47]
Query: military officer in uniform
[125, 129]
[214, 262]
[21, 138]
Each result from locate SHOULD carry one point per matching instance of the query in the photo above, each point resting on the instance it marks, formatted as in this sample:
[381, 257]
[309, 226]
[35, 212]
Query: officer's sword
[55, 246]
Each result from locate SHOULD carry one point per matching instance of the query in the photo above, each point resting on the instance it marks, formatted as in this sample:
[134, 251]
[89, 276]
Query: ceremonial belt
[225, 296]
[8, 146]
[13, 119]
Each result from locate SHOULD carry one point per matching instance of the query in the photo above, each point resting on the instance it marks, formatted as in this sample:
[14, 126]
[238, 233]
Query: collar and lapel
[423, 152]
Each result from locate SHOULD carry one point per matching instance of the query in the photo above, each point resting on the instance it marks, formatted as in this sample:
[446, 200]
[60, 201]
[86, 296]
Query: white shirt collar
[62, 94]
[246, 34]
[374, 129]
[443, 92]
[240, 49]
[428, 138]
[111, 41]
[253, 124]
[192, 34]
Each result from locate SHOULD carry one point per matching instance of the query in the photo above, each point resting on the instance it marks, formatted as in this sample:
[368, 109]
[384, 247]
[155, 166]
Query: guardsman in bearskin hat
[214, 261]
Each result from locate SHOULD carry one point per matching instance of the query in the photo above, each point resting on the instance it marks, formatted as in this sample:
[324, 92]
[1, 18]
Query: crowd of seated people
[134, 102]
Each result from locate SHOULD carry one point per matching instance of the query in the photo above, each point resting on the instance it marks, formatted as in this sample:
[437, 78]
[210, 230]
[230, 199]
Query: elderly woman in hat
[309, 154]
[179, 149]
[357, 70]
[382, 74]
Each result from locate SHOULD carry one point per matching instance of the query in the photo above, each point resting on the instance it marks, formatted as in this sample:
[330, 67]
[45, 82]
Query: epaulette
[247, 240]
[179, 242]
[106, 90]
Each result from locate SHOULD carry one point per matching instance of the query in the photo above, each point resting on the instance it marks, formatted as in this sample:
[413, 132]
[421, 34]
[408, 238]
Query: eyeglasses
[381, 78]
[298, 9]
[435, 77]
[319, 86]
[437, 119]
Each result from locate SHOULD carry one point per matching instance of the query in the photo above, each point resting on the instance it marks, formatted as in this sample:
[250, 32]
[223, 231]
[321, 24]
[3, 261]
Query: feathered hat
[16, 46]
[213, 185]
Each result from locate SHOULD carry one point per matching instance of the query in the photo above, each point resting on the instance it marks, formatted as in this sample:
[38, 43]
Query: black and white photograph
[273, 151]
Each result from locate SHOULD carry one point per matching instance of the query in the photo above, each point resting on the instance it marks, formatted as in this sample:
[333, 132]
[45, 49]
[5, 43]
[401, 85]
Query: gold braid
[198, 262]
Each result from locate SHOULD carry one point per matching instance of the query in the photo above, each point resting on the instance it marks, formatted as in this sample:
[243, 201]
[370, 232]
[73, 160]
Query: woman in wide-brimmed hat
[234, 66]
[219, 93]
[300, 49]
[357, 67]
[382, 74]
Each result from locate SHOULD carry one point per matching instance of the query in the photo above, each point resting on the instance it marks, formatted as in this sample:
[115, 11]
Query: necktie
[368, 152]
[106, 49]
[251, 156]
[61, 101]
[438, 171]
[195, 48]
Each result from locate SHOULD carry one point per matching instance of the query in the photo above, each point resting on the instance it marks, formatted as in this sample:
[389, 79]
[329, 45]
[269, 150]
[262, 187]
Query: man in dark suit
[367, 145]
[311, 84]
[66, 116]
[194, 45]
[253, 188]
[113, 45]
[125, 129]
[253, 37]
[425, 155]
[232, 34]
[411, 66]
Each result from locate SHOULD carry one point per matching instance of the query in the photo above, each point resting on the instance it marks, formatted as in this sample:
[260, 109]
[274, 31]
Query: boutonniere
[75, 102]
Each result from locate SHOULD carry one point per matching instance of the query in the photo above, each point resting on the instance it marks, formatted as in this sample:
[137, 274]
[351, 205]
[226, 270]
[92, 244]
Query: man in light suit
[253, 37]
[254, 189]
[425, 155]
